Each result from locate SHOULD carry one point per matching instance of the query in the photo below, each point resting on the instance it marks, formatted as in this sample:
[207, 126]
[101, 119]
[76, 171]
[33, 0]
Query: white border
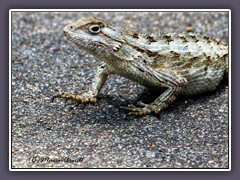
[115, 10]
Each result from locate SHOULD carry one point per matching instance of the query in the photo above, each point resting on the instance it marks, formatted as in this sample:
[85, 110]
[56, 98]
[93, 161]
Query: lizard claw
[56, 96]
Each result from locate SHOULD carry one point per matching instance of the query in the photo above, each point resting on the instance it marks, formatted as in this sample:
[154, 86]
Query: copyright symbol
[34, 159]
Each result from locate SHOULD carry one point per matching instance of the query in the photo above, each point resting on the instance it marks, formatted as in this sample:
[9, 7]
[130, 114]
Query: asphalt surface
[191, 133]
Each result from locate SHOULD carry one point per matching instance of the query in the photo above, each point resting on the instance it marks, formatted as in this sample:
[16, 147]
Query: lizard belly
[200, 80]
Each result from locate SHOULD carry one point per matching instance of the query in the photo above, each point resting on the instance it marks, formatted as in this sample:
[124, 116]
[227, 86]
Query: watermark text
[39, 159]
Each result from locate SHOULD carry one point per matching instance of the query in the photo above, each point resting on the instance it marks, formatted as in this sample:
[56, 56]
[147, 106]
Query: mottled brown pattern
[151, 39]
[151, 54]
[135, 35]
[167, 38]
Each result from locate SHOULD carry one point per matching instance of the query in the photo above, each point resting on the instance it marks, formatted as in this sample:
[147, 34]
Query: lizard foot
[140, 109]
[68, 96]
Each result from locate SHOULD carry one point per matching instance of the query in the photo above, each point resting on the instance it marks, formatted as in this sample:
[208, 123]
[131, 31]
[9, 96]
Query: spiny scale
[171, 63]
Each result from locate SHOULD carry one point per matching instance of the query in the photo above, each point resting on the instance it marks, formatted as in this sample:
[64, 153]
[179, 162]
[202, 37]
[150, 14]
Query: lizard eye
[94, 29]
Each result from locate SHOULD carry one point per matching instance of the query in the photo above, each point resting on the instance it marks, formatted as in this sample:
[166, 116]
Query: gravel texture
[191, 133]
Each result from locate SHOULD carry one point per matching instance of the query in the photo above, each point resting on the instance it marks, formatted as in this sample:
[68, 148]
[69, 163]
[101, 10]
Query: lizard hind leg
[156, 106]
[174, 84]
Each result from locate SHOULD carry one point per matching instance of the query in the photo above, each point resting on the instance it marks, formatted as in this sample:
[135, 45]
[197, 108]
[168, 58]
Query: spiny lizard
[172, 63]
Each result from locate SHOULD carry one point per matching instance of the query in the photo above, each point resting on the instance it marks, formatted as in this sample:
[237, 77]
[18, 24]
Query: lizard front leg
[90, 96]
[168, 79]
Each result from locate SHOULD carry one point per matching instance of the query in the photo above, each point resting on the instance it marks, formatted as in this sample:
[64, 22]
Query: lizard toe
[141, 104]
[138, 111]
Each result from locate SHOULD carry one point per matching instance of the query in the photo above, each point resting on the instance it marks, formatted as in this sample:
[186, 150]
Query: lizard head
[95, 35]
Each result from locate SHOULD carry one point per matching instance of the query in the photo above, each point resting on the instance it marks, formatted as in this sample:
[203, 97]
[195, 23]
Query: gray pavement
[191, 133]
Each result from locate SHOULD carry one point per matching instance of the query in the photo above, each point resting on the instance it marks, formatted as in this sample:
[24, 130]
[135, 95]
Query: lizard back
[202, 61]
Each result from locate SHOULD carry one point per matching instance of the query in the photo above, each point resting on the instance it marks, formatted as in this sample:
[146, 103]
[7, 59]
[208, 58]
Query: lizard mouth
[65, 33]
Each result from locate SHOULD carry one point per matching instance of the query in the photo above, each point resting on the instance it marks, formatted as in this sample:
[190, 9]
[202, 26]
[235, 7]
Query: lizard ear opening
[94, 29]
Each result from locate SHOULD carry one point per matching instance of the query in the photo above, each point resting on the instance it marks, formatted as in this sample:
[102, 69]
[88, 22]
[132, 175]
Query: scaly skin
[172, 63]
